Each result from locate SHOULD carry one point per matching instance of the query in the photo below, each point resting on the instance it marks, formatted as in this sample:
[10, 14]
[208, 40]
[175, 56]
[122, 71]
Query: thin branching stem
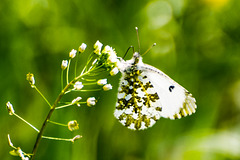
[58, 139]
[62, 80]
[43, 96]
[60, 124]
[64, 106]
[68, 70]
[76, 63]
[40, 134]
[26, 122]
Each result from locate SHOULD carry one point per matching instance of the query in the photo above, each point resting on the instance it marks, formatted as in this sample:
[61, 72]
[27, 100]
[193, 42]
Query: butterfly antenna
[154, 44]
[138, 39]
[128, 50]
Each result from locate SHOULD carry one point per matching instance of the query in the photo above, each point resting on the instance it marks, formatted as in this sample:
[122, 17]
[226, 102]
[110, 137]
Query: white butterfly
[146, 94]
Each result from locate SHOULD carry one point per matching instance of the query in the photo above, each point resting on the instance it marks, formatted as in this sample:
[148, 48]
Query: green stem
[62, 80]
[75, 71]
[42, 96]
[40, 134]
[68, 70]
[26, 122]
[60, 124]
[58, 139]
[64, 106]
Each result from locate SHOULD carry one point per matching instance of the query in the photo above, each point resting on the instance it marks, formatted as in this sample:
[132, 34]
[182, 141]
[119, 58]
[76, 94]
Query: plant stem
[26, 122]
[43, 96]
[53, 107]
[40, 134]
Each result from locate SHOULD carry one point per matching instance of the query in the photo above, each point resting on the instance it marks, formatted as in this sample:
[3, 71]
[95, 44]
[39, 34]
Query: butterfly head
[136, 59]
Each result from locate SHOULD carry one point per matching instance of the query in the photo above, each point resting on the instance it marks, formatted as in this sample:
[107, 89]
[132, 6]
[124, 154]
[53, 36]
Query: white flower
[76, 100]
[91, 101]
[73, 125]
[101, 82]
[107, 87]
[31, 80]
[76, 138]
[97, 46]
[82, 47]
[10, 108]
[107, 49]
[112, 58]
[64, 64]
[119, 63]
[72, 54]
[78, 85]
[114, 71]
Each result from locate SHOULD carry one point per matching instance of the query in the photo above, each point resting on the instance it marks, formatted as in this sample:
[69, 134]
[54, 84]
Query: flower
[97, 46]
[78, 85]
[107, 49]
[73, 125]
[75, 101]
[76, 138]
[112, 57]
[10, 108]
[82, 47]
[114, 71]
[107, 87]
[18, 152]
[101, 82]
[91, 101]
[64, 64]
[30, 78]
[72, 54]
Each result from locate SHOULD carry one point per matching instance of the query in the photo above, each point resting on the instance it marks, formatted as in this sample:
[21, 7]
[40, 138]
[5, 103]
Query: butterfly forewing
[177, 102]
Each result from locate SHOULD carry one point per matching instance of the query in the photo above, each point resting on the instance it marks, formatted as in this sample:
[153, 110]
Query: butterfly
[146, 94]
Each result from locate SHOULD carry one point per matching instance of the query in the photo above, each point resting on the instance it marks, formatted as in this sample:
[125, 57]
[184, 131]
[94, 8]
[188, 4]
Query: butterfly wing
[145, 94]
[176, 101]
[138, 105]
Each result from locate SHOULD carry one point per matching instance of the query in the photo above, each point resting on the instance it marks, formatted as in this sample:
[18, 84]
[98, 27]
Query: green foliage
[197, 45]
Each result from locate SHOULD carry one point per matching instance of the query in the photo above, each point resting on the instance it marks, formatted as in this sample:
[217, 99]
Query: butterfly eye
[171, 88]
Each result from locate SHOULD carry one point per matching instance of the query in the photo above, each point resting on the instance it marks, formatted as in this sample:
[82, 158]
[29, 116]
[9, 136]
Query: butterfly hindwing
[145, 94]
[138, 105]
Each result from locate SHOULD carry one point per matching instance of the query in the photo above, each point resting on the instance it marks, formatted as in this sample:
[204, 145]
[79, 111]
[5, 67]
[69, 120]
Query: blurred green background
[198, 45]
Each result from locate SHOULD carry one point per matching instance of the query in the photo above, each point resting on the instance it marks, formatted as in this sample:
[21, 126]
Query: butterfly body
[146, 94]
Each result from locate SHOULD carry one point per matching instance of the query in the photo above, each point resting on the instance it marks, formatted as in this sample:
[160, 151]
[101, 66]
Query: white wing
[138, 105]
[175, 100]
[145, 94]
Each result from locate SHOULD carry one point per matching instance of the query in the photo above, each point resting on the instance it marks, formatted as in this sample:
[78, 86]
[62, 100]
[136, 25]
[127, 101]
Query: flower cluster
[107, 57]
[100, 60]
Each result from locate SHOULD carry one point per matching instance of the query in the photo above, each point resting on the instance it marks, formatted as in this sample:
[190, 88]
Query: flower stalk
[99, 60]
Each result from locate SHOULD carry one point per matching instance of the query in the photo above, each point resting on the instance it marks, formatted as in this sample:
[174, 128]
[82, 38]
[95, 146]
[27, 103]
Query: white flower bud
[64, 64]
[112, 58]
[10, 108]
[78, 85]
[97, 46]
[76, 138]
[107, 87]
[102, 82]
[31, 80]
[91, 101]
[73, 125]
[76, 100]
[114, 71]
[82, 47]
[72, 54]
[107, 49]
